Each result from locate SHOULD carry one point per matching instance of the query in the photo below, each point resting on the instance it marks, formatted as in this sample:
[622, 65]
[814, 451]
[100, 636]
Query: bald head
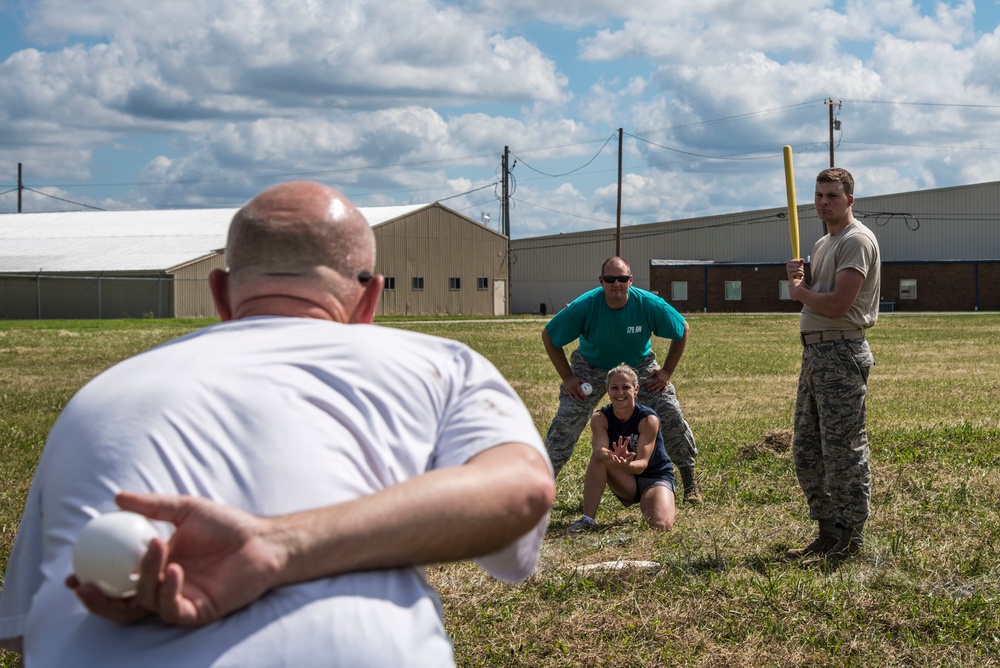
[297, 241]
[294, 228]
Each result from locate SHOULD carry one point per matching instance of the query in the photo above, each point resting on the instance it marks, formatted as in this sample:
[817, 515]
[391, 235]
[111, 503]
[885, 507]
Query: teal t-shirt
[608, 336]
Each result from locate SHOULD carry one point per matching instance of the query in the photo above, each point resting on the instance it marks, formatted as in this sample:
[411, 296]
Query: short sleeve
[668, 323]
[486, 412]
[483, 411]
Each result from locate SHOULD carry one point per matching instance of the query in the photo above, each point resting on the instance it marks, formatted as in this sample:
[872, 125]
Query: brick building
[762, 287]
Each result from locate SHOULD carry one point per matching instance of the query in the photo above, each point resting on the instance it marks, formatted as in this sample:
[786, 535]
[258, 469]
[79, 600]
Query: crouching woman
[628, 457]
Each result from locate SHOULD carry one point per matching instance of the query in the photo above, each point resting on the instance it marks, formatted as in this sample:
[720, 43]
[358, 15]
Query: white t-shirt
[271, 415]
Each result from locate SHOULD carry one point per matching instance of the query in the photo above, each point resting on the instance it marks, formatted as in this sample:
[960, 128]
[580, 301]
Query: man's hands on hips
[573, 386]
[657, 381]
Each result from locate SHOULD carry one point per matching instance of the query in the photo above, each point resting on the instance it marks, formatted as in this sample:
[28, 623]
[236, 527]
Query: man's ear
[218, 283]
[364, 309]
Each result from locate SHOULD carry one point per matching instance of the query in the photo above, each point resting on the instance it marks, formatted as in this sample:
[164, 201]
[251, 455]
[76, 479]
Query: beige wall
[192, 297]
[437, 244]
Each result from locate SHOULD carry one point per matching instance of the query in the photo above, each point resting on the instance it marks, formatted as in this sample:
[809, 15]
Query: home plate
[618, 565]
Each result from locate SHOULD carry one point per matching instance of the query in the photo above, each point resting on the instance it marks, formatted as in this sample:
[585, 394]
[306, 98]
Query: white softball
[587, 388]
[109, 549]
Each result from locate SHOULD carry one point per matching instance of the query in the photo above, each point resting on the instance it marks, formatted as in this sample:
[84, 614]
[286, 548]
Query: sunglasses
[612, 279]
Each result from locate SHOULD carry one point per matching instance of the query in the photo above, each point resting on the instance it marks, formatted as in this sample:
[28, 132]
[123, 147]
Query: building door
[499, 297]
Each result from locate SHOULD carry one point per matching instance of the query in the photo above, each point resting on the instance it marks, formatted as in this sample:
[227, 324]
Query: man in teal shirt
[615, 323]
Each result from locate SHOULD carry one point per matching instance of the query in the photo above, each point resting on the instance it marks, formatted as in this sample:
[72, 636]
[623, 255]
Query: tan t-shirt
[854, 247]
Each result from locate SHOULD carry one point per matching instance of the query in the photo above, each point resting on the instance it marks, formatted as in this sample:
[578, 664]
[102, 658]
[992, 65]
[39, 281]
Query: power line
[347, 170]
[726, 119]
[599, 151]
[262, 177]
[958, 148]
[638, 136]
[709, 157]
[62, 199]
[926, 104]
[488, 185]
[563, 213]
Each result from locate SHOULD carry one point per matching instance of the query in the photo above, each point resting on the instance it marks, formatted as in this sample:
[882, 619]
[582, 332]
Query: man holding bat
[830, 448]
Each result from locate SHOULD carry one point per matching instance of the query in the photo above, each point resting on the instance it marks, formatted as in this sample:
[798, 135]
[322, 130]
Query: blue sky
[201, 104]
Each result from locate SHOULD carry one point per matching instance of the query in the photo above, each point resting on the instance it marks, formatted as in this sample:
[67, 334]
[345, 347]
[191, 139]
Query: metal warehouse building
[156, 263]
[940, 251]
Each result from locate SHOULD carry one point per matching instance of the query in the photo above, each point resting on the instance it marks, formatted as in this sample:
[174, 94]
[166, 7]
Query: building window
[678, 291]
[418, 283]
[907, 288]
[483, 283]
[734, 291]
[390, 283]
[454, 283]
[783, 291]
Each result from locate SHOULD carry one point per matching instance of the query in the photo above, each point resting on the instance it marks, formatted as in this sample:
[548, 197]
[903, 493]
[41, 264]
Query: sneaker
[582, 524]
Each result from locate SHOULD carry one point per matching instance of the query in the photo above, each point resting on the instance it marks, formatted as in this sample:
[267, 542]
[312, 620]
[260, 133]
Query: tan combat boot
[691, 492]
[825, 542]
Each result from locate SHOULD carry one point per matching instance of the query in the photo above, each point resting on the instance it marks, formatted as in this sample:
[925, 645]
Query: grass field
[925, 592]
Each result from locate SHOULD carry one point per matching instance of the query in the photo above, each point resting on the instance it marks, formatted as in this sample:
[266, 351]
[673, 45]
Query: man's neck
[289, 306]
[616, 305]
[836, 228]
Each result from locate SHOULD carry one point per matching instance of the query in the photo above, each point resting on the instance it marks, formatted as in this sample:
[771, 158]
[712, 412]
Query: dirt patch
[776, 441]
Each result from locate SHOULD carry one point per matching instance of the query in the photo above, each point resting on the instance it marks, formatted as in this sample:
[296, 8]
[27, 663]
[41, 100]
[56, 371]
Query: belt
[812, 338]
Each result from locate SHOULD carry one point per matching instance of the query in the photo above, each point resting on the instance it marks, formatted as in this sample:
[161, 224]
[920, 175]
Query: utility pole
[505, 195]
[829, 102]
[20, 187]
[505, 221]
[618, 227]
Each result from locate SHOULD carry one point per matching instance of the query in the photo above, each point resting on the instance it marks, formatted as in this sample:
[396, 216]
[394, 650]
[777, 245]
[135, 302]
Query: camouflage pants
[830, 448]
[573, 416]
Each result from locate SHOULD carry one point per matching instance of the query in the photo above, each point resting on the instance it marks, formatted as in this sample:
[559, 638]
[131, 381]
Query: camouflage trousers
[573, 416]
[830, 448]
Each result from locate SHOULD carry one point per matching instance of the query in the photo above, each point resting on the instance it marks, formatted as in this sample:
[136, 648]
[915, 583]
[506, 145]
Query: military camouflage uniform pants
[573, 416]
[830, 448]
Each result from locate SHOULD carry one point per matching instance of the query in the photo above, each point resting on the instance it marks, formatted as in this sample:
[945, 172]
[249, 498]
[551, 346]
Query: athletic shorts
[643, 483]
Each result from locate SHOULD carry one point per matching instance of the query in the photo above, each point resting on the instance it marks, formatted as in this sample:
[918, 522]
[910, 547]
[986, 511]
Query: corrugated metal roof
[125, 240]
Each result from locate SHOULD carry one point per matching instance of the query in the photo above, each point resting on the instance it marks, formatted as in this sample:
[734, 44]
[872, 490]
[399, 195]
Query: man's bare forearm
[557, 356]
[444, 515]
[676, 351]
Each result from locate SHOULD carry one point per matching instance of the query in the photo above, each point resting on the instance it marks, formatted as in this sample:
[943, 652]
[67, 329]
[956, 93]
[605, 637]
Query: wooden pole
[618, 226]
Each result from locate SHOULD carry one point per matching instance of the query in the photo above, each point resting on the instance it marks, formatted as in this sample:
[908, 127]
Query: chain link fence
[44, 296]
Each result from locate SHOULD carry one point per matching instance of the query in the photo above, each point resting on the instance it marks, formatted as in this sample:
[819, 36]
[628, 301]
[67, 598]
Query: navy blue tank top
[659, 465]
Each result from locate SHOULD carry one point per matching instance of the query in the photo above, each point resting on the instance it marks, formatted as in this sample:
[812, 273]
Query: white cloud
[950, 23]
[414, 100]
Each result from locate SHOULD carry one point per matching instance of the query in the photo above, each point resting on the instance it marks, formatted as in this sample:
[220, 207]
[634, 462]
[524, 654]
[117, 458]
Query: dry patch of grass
[776, 441]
